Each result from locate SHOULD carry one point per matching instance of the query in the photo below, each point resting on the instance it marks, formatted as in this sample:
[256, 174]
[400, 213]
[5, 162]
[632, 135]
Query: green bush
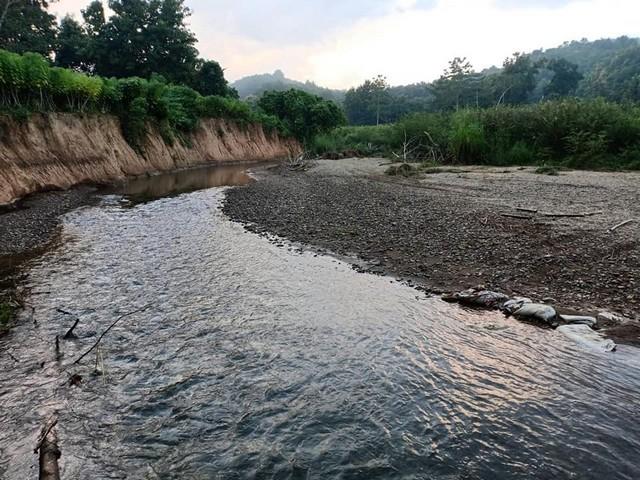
[570, 132]
[28, 83]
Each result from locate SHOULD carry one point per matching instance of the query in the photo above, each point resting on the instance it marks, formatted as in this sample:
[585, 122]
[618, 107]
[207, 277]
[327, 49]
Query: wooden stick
[569, 215]
[107, 331]
[70, 335]
[52, 422]
[530, 210]
[513, 215]
[620, 225]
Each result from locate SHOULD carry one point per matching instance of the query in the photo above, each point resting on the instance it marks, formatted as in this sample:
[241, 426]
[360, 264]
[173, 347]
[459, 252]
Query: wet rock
[537, 312]
[585, 336]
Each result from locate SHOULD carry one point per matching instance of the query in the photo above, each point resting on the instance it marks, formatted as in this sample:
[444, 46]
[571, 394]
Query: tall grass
[570, 132]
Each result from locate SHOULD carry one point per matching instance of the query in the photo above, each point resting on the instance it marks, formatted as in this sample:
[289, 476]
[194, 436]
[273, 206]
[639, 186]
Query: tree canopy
[27, 26]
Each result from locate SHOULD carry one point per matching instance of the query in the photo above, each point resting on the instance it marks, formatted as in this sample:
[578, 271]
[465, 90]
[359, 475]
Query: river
[257, 359]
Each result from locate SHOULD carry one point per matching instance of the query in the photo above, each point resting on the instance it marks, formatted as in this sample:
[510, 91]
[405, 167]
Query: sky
[340, 43]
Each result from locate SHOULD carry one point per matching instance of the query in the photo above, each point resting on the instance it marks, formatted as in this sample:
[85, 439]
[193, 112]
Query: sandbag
[585, 336]
[537, 312]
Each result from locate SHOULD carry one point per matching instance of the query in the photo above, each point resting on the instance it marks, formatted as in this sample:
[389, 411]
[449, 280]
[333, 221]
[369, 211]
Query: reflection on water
[258, 362]
[174, 183]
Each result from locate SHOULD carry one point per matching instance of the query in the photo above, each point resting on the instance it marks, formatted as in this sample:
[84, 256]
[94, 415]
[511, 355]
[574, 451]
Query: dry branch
[107, 331]
[515, 215]
[620, 225]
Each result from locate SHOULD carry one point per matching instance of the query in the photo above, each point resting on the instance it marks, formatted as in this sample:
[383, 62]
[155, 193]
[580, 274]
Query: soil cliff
[61, 150]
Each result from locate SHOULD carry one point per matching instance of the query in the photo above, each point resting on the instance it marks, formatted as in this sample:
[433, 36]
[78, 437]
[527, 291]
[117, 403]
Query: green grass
[572, 133]
[7, 313]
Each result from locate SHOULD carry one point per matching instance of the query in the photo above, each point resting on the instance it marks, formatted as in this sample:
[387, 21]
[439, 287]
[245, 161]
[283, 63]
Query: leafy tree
[617, 79]
[149, 36]
[365, 105]
[459, 86]
[71, 45]
[209, 78]
[517, 80]
[302, 114]
[565, 80]
[26, 26]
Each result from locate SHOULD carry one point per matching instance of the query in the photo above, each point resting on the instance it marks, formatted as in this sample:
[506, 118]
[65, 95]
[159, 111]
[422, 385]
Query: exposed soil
[447, 231]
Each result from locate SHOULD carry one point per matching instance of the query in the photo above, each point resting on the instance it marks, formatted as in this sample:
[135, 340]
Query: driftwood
[47, 446]
[515, 215]
[107, 331]
[70, 335]
[620, 225]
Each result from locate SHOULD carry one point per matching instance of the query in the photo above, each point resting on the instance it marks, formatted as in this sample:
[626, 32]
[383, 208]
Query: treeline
[577, 133]
[610, 70]
[138, 39]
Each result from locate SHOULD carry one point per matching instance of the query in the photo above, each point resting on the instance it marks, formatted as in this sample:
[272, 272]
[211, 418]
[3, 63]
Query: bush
[28, 83]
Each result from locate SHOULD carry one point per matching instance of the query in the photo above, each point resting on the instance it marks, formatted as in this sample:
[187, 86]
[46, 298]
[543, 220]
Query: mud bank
[57, 151]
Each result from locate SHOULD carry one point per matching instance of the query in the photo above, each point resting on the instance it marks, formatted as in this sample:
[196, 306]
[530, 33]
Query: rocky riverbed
[509, 230]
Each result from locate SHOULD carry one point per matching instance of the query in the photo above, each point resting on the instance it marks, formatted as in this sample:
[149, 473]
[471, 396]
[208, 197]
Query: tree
[26, 26]
[209, 78]
[460, 86]
[366, 104]
[71, 45]
[302, 114]
[149, 36]
[617, 79]
[565, 77]
[517, 80]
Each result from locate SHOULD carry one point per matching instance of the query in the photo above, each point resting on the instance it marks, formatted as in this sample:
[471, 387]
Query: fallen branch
[530, 210]
[567, 215]
[46, 429]
[515, 215]
[70, 335]
[620, 225]
[107, 331]
[49, 452]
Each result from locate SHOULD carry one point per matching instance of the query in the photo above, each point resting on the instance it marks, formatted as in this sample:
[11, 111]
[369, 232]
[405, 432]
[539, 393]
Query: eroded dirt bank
[448, 232]
[61, 150]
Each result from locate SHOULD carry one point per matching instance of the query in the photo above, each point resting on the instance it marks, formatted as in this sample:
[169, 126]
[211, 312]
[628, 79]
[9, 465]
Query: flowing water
[254, 360]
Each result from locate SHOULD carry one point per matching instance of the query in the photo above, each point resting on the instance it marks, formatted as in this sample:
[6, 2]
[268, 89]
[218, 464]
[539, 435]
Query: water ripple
[258, 362]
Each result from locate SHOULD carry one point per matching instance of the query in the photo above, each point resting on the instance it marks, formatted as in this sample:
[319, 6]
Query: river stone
[537, 312]
[585, 336]
[579, 320]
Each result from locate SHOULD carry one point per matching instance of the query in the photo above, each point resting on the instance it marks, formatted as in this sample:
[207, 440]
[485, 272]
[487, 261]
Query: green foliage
[28, 83]
[617, 79]
[570, 132]
[7, 313]
[27, 26]
[302, 114]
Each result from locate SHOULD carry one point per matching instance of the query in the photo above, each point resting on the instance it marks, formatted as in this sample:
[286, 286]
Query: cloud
[341, 43]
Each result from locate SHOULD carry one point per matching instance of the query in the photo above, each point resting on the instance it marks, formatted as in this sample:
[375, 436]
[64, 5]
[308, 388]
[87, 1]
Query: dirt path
[447, 232]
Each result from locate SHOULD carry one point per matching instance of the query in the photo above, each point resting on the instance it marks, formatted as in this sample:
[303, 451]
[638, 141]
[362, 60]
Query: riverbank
[461, 228]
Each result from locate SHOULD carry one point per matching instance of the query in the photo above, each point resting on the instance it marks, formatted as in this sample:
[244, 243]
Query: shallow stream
[258, 360]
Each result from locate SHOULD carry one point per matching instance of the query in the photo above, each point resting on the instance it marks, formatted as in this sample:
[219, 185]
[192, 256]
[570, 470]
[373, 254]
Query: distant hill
[256, 85]
[585, 54]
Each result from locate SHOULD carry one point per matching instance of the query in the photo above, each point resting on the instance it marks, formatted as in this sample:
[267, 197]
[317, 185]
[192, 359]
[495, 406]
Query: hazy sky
[339, 43]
